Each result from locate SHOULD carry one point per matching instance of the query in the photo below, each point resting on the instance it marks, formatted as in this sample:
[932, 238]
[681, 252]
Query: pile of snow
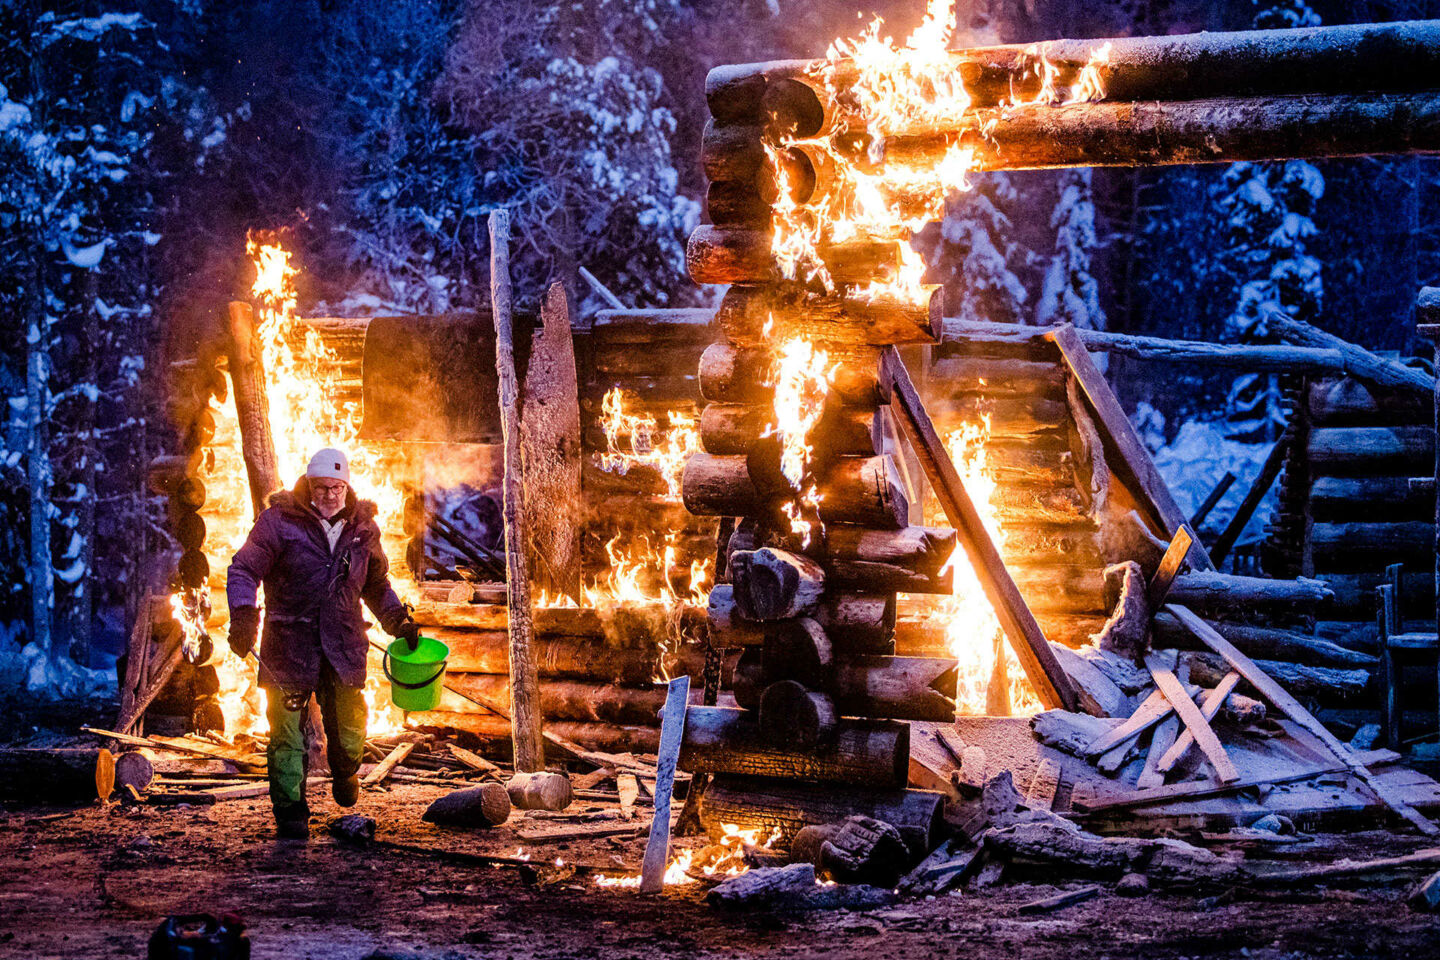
[25, 667]
[1194, 461]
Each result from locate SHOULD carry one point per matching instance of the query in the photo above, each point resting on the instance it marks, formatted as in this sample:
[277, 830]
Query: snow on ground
[1194, 461]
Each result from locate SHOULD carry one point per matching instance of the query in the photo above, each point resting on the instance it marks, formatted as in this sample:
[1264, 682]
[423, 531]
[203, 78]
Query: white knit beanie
[329, 463]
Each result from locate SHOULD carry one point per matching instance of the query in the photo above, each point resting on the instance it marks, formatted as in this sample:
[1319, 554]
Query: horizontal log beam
[1348, 402]
[731, 374]
[1263, 643]
[1346, 451]
[1340, 499]
[569, 699]
[604, 737]
[751, 316]
[1357, 547]
[1209, 591]
[721, 740]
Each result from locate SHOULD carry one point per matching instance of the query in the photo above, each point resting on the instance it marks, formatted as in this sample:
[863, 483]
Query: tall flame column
[814, 564]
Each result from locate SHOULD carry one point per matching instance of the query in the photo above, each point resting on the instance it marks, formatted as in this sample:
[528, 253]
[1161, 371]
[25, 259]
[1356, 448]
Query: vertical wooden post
[524, 677]
[252, 406]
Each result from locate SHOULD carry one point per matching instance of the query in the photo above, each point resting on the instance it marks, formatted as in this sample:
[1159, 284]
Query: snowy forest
[143, 140]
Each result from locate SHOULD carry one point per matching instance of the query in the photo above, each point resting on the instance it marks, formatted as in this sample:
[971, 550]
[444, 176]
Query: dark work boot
[292, 823]
[346, 790]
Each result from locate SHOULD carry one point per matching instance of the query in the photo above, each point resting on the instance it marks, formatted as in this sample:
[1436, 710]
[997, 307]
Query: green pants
[342, 710]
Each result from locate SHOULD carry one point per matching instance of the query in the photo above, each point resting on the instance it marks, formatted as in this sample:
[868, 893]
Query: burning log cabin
[839, 624]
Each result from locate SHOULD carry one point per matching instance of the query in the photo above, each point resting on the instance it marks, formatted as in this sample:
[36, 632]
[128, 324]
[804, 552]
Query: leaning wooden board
[1291, 707]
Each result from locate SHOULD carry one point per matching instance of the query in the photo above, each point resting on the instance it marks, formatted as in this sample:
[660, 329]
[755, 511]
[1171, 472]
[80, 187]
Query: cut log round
[39, 775]
[787, 807]
[775, 584]
[190, 493]
[487, 805]
[721, 740]
[135, 768]
[542, 790]
[799, 650]
[751, 316]
[190, 530]
[732, 152]
[727, 627]
[793, 716]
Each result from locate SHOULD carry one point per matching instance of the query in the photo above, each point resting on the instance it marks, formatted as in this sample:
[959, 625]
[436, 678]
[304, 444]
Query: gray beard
[321, 510]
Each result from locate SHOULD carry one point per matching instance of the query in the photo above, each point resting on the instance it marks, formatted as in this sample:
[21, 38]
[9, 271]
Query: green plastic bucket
[415, 675]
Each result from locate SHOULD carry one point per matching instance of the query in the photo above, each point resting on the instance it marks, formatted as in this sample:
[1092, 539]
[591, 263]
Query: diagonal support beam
[1051, 684]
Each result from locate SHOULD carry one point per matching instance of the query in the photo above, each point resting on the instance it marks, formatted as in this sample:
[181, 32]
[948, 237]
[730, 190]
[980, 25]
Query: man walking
[317, 551]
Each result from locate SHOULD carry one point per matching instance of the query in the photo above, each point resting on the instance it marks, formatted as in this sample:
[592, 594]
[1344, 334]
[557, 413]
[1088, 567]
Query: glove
[244, 630]
[409, 631]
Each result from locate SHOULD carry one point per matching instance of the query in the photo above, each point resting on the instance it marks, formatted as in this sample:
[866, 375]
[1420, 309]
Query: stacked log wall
[1347, 509]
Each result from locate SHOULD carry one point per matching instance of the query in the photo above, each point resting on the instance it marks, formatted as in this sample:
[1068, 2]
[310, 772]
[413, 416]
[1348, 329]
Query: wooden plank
[672, 732]
[524, 676]
[383, 768]
[1160, 742]
[1291, 707]
[1193, 719]
[1199, 789]
[1133, 458]
[474, 761]
[1208, 708]
[550, 448]
[1051, 685]
[1152, 711]
[1269, 470]
[1043, 785]
[1169, 567]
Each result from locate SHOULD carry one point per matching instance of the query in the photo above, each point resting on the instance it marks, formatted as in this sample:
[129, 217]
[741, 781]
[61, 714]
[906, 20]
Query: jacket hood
[297, 500]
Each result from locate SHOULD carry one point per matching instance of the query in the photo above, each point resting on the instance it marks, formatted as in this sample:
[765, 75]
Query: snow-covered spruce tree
[1069, 293]
[1268, 210]
[973, 255]
[83, 100]
[572, 125]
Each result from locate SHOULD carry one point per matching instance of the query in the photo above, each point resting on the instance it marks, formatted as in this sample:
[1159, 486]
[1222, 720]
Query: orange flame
[725, 858]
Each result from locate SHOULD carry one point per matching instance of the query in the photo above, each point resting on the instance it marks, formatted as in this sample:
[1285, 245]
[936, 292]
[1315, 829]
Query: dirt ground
[94, 883]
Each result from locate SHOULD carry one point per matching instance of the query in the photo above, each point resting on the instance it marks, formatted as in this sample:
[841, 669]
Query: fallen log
[751, 316]
[1360, 362]
[38, 775]
[135, 769]
[1264, 643]
[720, 740]
[787, 807]
[487, 805]
[1327, 686]
[542, 790]
[1211, 592]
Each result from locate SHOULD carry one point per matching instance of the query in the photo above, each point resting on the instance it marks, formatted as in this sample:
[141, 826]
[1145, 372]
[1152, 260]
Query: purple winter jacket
[312, 597]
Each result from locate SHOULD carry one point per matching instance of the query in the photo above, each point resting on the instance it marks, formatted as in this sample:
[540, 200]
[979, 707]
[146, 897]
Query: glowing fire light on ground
[719, 861]
[972, 632]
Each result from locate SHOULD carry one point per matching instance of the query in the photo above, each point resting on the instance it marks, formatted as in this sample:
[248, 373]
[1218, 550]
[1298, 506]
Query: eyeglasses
[329, 489]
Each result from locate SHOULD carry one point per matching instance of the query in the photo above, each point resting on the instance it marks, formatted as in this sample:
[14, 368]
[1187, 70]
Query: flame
[191, 608]
[802, 379]
[636, 439]
[302, 380]
[723, 859]
[883, 90]
[972, 631]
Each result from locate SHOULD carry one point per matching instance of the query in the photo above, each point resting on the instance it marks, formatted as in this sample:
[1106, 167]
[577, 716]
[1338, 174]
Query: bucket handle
[385, 666]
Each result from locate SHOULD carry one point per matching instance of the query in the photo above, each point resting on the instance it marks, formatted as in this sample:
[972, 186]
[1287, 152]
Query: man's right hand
[244, 630]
